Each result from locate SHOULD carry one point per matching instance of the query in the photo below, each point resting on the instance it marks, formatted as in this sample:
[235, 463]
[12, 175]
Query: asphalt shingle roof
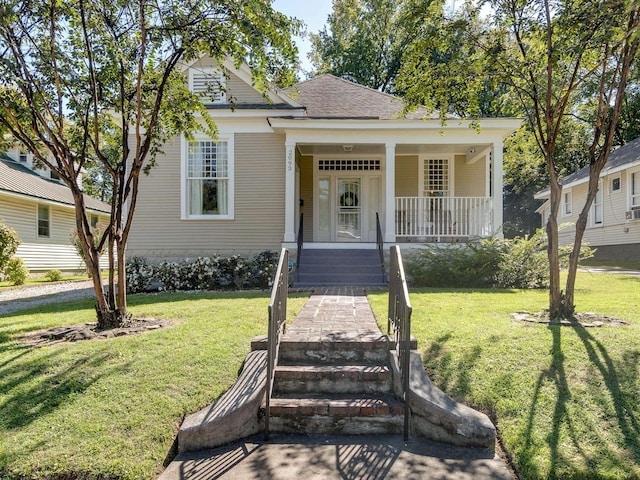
[628, 153]
[327, 96]
[17, 178]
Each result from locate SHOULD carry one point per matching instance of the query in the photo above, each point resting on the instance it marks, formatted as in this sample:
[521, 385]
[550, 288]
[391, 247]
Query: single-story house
[40, 209]
[614, 219]
[319, 162]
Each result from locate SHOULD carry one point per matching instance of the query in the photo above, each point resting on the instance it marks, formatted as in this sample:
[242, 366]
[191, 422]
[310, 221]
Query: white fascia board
[254, 112]
[244, 73]
[46, 201]
[542, 207]
[604, 173]
[488, 127]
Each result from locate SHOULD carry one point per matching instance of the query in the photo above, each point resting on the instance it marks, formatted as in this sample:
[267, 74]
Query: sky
[313, 13]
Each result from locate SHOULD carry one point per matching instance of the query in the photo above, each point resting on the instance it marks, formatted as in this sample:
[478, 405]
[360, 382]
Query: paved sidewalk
[19, 298]
[337, 313]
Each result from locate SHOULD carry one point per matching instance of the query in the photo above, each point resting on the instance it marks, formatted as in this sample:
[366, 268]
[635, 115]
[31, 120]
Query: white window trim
[48, 207]
[592, 210]
[564, 204]
[212, 72]
[614, 177]
[450, 160]
[184, 215]
[630, 173]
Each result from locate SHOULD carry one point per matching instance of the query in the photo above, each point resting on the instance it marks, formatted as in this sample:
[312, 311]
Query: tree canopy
[364, 42]
[99, 84]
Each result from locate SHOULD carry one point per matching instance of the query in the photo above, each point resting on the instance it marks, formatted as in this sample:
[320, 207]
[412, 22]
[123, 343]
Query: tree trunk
[556, 297]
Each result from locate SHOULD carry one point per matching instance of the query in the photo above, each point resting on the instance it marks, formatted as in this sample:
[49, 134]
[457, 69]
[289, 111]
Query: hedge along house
[613, 227]
[41, 210]
[338, 153]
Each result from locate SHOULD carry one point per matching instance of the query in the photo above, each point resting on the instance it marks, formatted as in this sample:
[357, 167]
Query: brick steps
[332, 378]
[337, 415]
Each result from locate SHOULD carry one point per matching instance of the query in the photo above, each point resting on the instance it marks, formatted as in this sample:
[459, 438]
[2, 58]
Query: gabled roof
[20, 180]
[619, 159]
[327, 96]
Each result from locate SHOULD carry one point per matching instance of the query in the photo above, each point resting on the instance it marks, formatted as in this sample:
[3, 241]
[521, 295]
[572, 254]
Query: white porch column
[498, 208]
[290, 192]
[390, 193]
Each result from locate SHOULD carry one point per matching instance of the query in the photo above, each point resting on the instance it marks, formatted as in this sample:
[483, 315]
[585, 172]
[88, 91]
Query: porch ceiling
[379, 149]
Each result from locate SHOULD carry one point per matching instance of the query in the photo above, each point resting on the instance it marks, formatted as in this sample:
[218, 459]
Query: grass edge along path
[565, 399]
[110, 409]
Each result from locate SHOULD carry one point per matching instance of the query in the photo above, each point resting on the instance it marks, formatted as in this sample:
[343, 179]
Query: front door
[349, 210]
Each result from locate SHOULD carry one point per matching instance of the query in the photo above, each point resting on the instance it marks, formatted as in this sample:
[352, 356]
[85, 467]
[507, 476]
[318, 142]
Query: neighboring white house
[40, 209]
[335, 151]
[614, 220]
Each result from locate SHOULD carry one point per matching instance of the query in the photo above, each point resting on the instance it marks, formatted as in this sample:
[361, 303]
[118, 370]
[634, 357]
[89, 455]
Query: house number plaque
[290, 159]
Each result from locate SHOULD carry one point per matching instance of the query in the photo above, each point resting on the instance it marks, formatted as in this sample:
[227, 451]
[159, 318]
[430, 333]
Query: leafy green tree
[82, 79]
[557, 59]
[364, 42]
[9, 243]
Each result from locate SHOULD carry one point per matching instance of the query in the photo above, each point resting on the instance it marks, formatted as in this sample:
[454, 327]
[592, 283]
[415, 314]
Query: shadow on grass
[452, 378]
[31, 389]
[562, 419]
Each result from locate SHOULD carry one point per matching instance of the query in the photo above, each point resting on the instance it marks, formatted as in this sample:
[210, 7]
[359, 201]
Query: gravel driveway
[18, 298]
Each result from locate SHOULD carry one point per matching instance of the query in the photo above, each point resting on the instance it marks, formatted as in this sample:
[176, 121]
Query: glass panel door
[349, 221]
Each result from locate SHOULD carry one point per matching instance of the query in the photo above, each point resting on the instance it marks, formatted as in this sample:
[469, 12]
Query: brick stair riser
[332, 386]
[338, 425]
[321, 355]
[333, 379]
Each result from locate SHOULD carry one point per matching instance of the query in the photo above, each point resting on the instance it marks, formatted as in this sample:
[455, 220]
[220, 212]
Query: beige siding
[237, 89]
[407, 176]
[43, 253]
[258, 224]
[470, 180]
[306, 193]
[615, 229]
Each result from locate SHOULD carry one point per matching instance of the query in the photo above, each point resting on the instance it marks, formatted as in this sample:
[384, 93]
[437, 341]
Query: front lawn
[566, 400]
[111, 408]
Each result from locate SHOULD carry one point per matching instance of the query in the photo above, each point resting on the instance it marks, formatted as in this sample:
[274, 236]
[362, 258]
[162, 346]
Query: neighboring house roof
[620, 159]
[327, 96]
[20, 180]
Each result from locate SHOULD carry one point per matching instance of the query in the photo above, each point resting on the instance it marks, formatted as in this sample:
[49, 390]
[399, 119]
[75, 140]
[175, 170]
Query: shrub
[97, 232]
[9, 242]
[468, 265]
[16, 271]
[139, 275]
[517, 263]
[203, 273]
[53, 275]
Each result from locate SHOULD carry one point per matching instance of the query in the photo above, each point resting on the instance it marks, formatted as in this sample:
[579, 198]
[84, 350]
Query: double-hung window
[435, 177]
[43, 221]
[566, 203]
[597, 210]
[634, 189]
[209, 179]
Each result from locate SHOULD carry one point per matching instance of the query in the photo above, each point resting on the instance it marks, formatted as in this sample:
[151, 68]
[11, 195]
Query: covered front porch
[415, 183]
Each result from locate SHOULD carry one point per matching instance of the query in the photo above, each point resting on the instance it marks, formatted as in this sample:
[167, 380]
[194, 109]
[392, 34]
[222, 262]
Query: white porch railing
[431, 218]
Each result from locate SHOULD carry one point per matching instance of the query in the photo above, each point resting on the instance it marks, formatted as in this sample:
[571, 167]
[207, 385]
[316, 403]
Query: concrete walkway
[336, 313]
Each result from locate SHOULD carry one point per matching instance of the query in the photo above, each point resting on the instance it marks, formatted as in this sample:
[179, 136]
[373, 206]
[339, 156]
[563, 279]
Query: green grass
[111, 408]
[39, 280]
[616, 265]
[565, 399]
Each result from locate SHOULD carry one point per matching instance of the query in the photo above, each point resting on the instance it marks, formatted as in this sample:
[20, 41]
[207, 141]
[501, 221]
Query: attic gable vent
[210, 84]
